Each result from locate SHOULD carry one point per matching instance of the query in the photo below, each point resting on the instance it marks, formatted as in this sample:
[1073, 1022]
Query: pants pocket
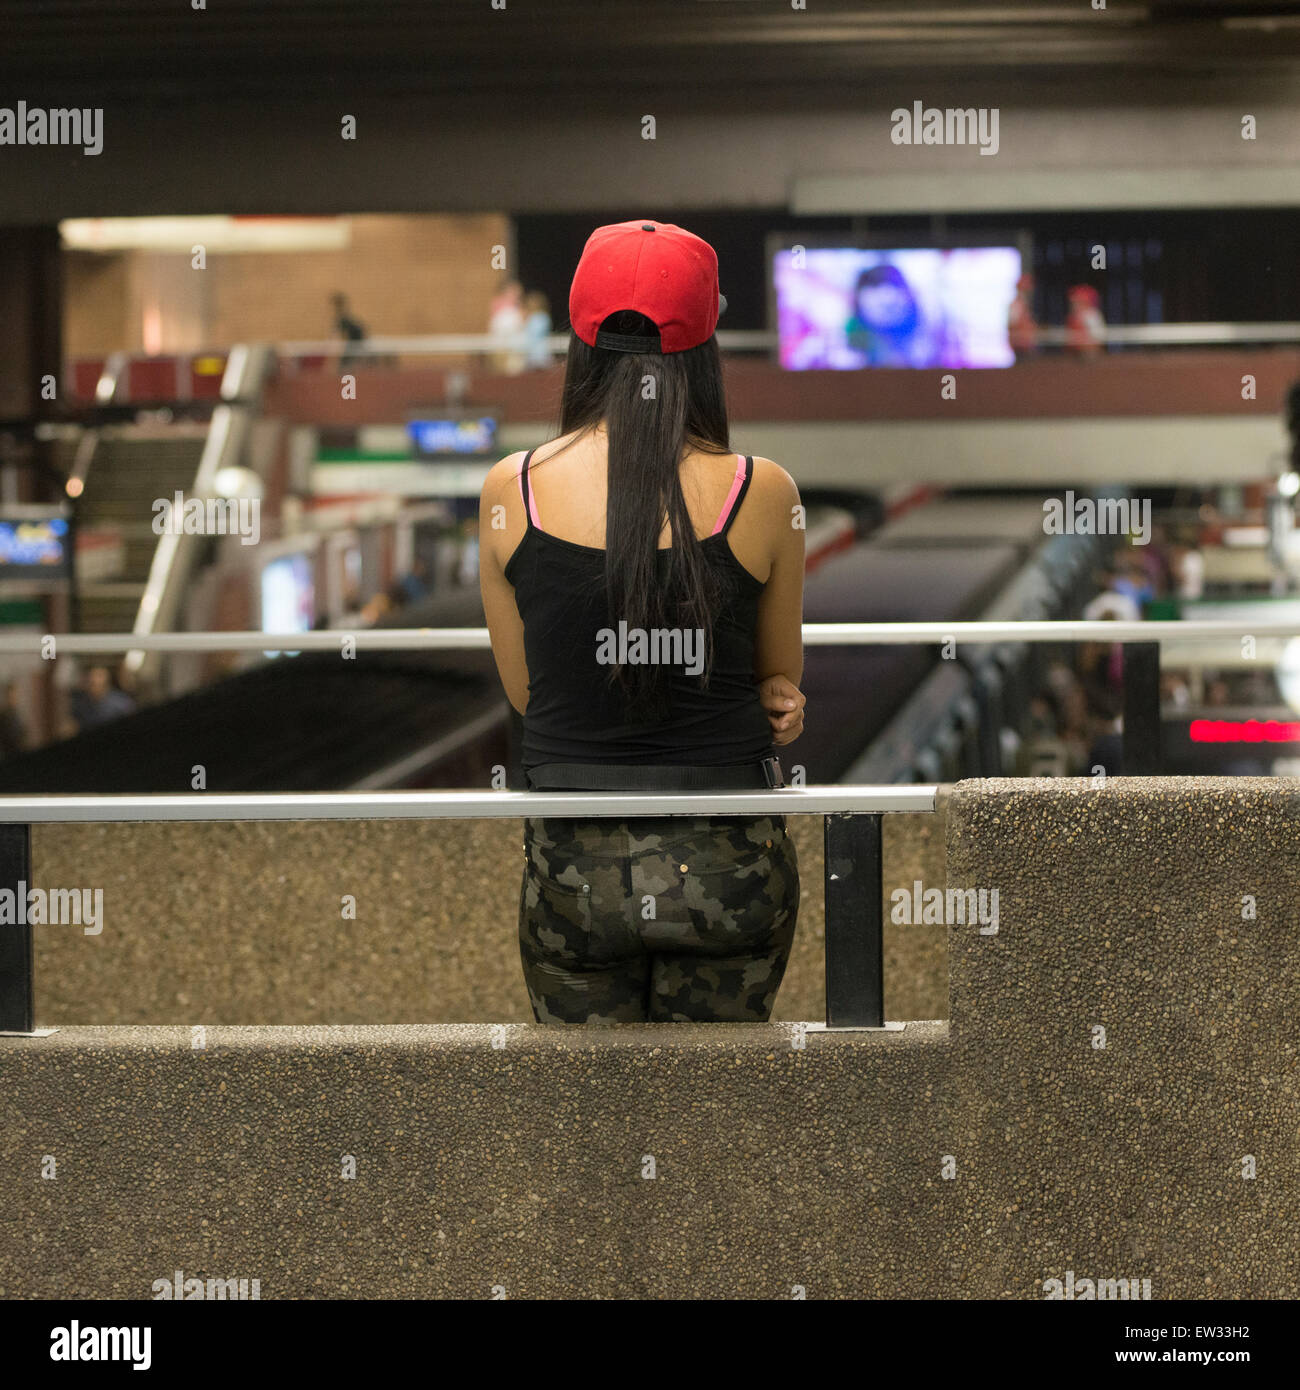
[575, 899]
[721, 888]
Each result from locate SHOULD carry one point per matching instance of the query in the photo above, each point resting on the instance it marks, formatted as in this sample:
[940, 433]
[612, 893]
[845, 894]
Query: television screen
[34, 548]
[452, 437]
[288, 594]
[846, 307]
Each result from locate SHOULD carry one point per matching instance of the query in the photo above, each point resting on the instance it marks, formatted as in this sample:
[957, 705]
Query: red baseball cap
[659, 270]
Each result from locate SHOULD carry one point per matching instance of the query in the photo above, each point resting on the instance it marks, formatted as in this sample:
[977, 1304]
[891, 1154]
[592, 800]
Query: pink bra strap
[736, 484]
[526, 491]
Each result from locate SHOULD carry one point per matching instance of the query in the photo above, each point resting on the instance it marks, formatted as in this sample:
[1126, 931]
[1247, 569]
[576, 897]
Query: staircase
[132, 468]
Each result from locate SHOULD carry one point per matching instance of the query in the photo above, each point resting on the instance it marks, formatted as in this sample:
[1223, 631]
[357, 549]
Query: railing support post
[1142, 709]
[855, 967]
[17, 1010]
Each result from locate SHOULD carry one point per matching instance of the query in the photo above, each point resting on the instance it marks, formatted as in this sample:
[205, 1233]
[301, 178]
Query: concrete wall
[978, 1158]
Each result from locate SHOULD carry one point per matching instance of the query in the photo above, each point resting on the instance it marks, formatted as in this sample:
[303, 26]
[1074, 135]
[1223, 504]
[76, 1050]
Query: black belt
[660, 777]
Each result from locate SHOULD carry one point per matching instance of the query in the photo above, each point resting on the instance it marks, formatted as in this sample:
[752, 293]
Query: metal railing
[763, 340]
[814, 635]
[851, 825]
[1141, 640]
[852, 815]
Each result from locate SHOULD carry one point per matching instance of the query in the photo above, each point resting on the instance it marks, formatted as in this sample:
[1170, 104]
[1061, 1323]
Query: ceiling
[97, 51]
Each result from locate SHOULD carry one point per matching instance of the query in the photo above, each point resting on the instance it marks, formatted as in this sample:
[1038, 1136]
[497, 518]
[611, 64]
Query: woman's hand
[784, 704]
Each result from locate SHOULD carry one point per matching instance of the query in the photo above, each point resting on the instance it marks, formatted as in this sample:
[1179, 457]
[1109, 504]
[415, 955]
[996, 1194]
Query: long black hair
[654, 406]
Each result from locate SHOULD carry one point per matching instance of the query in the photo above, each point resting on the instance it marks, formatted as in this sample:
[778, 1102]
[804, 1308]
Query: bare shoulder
[772, 487]
[503, 475]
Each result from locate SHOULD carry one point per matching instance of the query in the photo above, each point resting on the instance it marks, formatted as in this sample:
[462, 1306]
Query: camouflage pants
[669, 919]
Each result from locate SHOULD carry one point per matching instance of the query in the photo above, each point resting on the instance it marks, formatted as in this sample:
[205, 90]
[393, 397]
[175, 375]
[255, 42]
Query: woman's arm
[778, 649]
[500, 528]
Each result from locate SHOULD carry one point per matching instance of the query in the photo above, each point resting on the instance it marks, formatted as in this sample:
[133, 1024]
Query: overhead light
[215, 234]
[1289, 484]
[234, 481]
[1264, 23]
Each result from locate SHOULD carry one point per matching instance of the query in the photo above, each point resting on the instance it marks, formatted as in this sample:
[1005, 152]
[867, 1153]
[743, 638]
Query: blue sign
[454, 438]
[37, 548]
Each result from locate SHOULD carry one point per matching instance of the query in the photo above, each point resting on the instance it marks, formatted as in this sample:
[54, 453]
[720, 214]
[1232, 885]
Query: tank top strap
[739, 486]
[526, 492]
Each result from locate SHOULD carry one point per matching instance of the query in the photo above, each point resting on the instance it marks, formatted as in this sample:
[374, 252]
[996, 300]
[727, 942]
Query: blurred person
[1258, 688]
[377, 606]
[1085, 329]
[1156, 562]
[350, 329]
[1107, 748]
[508, 292]
[13, 733]
[1044, 715]
[468, 566]
[1174, 690]
[1113, 603]
[1217, 693]
[506, 325]
[537, 329]
[1189, 572]
[1133, 581]
[1022, 326]
[1101, 665]
[1073, 727]
[415, 584]
[98, 699]
[644, 601]
[1043, 754]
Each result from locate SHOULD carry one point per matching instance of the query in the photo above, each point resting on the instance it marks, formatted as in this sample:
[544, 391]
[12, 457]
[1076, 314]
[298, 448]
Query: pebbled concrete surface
[521, 1166]
[1122, 909]
[243, 923]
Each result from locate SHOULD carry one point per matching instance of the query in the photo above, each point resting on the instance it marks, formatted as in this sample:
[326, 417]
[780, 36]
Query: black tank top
[574, 715]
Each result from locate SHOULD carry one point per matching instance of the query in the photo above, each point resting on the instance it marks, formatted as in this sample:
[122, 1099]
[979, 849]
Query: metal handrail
[453, 805]
[758, 340]
[854, 868]
[477, 638]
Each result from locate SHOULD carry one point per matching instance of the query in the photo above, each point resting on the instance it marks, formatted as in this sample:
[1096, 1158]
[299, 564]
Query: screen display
[454, 438]
[36, 548]
[288, 595]
[845, 307]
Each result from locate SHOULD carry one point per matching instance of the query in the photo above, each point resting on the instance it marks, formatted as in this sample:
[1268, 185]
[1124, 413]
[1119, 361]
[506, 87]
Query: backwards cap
[654, 268]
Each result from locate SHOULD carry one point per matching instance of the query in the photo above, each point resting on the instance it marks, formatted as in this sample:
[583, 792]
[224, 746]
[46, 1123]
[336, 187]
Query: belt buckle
[772, 771]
